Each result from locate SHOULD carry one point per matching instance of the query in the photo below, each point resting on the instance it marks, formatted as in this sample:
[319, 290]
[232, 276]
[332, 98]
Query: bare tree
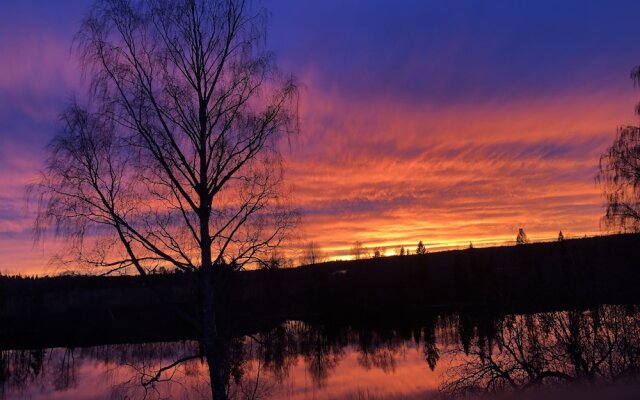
[174, 158]
[359, 251]
[312, 254]
[275, 260]
[378, 251]
[522, 238]
[421, 249]
[619, 175]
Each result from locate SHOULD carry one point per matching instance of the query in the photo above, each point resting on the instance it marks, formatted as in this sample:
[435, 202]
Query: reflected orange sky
[409, 378]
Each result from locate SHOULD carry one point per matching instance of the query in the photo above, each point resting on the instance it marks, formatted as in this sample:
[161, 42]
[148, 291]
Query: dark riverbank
[80, 309]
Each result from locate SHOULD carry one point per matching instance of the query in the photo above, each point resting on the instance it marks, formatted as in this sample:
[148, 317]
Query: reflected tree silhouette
[430, 349]
[484, 353]
[66, 375]
[377, 351]
[277, 348]
[549, 349]
[19, 368]
[321, 353]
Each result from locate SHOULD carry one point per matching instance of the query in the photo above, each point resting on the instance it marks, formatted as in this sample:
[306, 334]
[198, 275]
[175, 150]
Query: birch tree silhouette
[173, 160]
[619, 175]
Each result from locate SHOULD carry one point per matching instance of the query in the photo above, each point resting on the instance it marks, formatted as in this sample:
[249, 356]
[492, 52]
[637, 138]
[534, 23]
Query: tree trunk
[210, 339]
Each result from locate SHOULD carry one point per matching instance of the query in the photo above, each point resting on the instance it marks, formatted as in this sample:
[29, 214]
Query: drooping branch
[619, 175]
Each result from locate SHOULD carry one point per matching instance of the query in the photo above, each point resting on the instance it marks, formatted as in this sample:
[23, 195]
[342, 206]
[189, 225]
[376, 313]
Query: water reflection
[522, 351]
[449, 355]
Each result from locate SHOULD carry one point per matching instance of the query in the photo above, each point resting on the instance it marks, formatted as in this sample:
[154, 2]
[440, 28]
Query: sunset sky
[443, 121]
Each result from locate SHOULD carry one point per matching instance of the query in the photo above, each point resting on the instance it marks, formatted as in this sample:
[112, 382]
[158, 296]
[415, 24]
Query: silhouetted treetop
[378, 251]
[359, 251]
[619, 176]
[522, 238]
[312, 254]
[421, 249]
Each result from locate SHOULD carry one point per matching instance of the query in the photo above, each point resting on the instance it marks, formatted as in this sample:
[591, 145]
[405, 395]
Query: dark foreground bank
[579, 272]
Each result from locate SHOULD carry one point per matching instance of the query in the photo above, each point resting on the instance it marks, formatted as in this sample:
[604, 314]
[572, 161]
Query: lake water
[592, 353]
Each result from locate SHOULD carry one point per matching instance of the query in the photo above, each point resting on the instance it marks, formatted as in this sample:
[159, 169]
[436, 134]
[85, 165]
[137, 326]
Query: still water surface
[582, 353]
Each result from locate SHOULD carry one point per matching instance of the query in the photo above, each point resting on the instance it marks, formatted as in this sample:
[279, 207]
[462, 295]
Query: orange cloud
[389, 174]
[379, 170]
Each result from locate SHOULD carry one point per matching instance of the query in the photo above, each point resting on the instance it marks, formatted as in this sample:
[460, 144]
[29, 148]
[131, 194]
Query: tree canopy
[619, 175]
[172, 158]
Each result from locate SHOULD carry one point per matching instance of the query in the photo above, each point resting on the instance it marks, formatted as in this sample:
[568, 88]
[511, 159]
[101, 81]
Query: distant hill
[541, 276]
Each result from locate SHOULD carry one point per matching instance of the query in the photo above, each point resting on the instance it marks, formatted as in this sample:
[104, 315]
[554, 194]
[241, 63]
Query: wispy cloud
[446, 122]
